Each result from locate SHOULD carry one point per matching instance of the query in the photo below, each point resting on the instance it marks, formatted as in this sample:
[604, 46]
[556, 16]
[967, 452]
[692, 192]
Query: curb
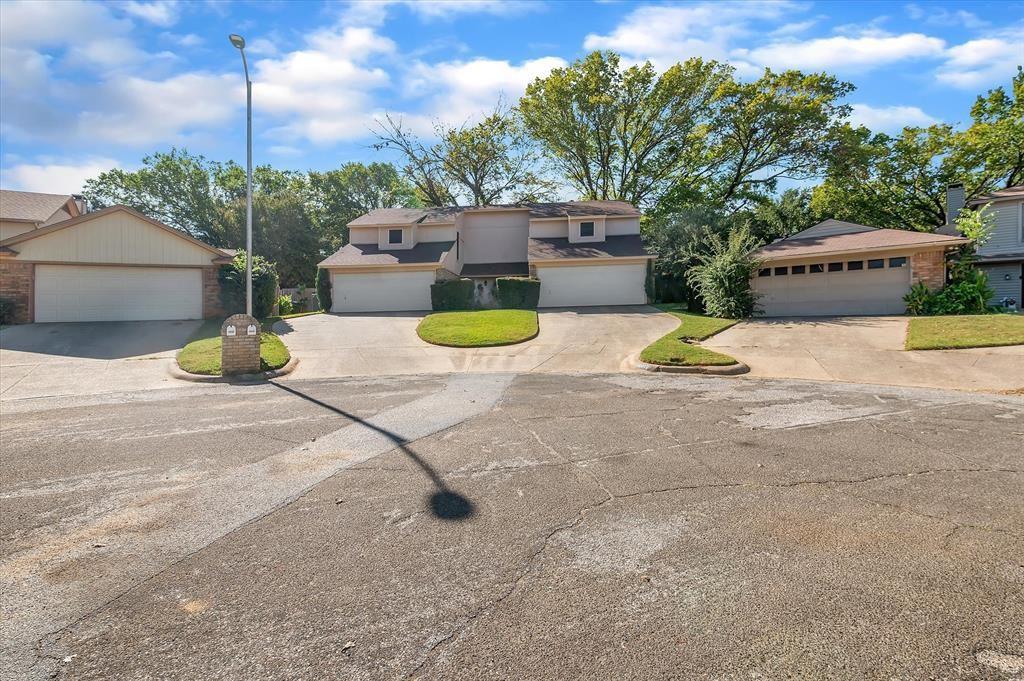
[181, 375]
[728, 370]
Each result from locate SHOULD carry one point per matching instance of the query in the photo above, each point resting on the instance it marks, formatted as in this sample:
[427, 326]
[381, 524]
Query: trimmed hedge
[452, 294]
[323, 289]
[518, 293]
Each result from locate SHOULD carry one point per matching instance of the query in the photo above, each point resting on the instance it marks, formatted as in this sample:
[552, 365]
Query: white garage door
[858, 292]
[78, 293]
[381, 291]
[577, 286]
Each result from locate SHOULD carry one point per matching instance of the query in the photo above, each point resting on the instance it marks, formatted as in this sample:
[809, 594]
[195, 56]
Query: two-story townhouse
[583, 253]
[1001, 257]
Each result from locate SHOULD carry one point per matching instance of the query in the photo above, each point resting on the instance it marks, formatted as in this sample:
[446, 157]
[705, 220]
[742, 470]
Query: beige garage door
[78, 293]
[381, 291]
[579, 286]
[857, 292]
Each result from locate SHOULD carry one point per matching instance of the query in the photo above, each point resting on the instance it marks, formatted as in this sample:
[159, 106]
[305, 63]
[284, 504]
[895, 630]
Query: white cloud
[448, 9]
[183, 40]
[981, 62]
[460, 91]
[845, 53]
[889, 119]
[324, 93]
[159, 12]
[55, 177]
[940, 16]
[794, 27]
[667, 34]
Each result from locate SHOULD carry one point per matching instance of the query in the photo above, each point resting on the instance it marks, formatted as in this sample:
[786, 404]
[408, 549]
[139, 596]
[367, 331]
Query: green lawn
[478, 328]
[672, 348]
[202, 354]
[966, 331]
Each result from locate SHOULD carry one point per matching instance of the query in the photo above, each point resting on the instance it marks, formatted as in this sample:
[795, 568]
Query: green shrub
[452, 294]
[6, 311]
[264, 286]
[969, 295]
[649, 290]
[518, 293]
[284, 305]
[722, 277]
[323, 289]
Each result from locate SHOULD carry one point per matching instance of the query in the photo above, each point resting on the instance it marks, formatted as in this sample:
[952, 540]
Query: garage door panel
[77, 293]
[381, 291]
[587, 285]
[863, 292]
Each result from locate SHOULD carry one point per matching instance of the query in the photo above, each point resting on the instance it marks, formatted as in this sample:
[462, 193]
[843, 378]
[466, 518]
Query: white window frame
[401, 235]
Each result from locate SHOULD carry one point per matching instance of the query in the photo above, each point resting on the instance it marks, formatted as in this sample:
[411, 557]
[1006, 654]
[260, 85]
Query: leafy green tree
[900, 181]
[690, 136]
[722, 274]
[781, 216]
[480, 164]
[283, 232]
[336, 197]
[323, 289]
[264, 285]
[678, 239]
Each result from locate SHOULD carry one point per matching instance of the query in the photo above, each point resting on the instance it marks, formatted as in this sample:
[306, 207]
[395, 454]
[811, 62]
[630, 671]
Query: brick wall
[17, 285]
[212, 306]
[239, 354]
[929, 267]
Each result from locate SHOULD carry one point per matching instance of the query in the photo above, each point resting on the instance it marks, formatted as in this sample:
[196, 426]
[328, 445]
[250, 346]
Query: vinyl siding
[115, 238]
[495, 237]
[1006, 237]
[9, 229]
[998, 282]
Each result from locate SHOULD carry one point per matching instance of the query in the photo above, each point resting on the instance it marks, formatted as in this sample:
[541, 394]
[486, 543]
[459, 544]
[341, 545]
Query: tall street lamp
[239, 42]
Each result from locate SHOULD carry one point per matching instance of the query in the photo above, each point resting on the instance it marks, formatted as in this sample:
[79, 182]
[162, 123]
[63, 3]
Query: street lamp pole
[239, 42]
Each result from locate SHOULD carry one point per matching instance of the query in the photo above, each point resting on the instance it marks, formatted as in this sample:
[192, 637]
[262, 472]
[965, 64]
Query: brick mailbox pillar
[240, 345]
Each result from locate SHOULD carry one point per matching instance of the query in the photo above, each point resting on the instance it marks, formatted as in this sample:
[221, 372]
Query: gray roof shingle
[30, 206]
[843, 243]
[371, 254]
[626, 246]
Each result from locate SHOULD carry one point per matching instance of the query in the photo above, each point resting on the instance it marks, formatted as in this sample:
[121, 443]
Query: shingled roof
[871, 238]
[30, 206]
[382, 217]
[560, 248]
[371, 254]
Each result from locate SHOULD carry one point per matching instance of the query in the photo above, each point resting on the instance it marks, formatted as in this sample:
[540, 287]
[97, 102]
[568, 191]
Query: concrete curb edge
[181, 375]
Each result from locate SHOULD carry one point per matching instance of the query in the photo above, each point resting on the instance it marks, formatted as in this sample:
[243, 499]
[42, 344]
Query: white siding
[362, 235]
[1005, 280]
[381, 291]
[549, 229]
[496, 236]
[620, 226]
[115, 238]
[9, 229]
[586, 285]
[432, 233]
[1006, 232]
[88, 293]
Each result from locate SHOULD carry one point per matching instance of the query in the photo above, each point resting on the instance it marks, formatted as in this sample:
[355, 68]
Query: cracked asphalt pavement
[503, 526]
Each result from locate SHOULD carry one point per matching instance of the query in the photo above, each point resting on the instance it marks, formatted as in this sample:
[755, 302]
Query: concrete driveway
[598, 339]
[41, 360]
[864, 350]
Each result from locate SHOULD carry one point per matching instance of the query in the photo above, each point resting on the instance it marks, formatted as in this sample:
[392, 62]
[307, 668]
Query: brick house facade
[929, 267]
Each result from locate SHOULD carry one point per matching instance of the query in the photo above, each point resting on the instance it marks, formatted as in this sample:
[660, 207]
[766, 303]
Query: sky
[89, 86]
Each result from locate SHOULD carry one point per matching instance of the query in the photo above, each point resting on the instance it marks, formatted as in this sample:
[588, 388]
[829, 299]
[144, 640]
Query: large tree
[484, 163]
[690, 136]
[336, 197]
[899, 181]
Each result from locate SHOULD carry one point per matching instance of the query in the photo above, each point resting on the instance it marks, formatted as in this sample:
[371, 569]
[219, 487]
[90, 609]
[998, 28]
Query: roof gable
[31, 206]
[831, 227]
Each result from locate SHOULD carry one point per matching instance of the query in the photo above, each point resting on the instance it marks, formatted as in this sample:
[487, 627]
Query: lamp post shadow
[445, 503]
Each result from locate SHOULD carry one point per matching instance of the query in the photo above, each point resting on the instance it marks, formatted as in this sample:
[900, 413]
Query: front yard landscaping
[479, 328]
[965, 331]
[672, 349]
[202, 354]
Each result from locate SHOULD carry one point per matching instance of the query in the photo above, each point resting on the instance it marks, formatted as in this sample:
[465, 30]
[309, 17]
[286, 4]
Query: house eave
[909, 248]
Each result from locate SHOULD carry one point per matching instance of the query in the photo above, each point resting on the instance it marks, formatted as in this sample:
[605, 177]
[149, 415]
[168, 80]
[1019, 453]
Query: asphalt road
[499, 526]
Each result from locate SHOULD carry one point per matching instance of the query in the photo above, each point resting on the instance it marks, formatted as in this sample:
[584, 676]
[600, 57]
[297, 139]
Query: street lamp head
[237, 40]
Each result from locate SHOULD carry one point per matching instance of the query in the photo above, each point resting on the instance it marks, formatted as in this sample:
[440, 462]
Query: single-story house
[113, 264]
[22, 212]
[583, 253]
[842, 268]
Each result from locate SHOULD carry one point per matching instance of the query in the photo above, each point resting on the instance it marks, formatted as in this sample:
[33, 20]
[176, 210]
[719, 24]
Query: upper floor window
[394, 236]
[586, 229]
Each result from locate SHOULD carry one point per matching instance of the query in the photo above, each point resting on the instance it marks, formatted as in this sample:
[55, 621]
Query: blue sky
[89, 86]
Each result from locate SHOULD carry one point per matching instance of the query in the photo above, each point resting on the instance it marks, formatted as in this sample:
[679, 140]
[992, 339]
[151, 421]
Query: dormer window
[586, 229]
[395, 236]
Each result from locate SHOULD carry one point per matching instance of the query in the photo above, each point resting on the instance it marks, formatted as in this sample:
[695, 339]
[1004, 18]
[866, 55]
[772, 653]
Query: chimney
[954, 202]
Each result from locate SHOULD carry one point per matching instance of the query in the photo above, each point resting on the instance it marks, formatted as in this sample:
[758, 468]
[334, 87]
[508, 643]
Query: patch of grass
[478, 328]
[202, 354]
[965, 331]
[672, 349]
